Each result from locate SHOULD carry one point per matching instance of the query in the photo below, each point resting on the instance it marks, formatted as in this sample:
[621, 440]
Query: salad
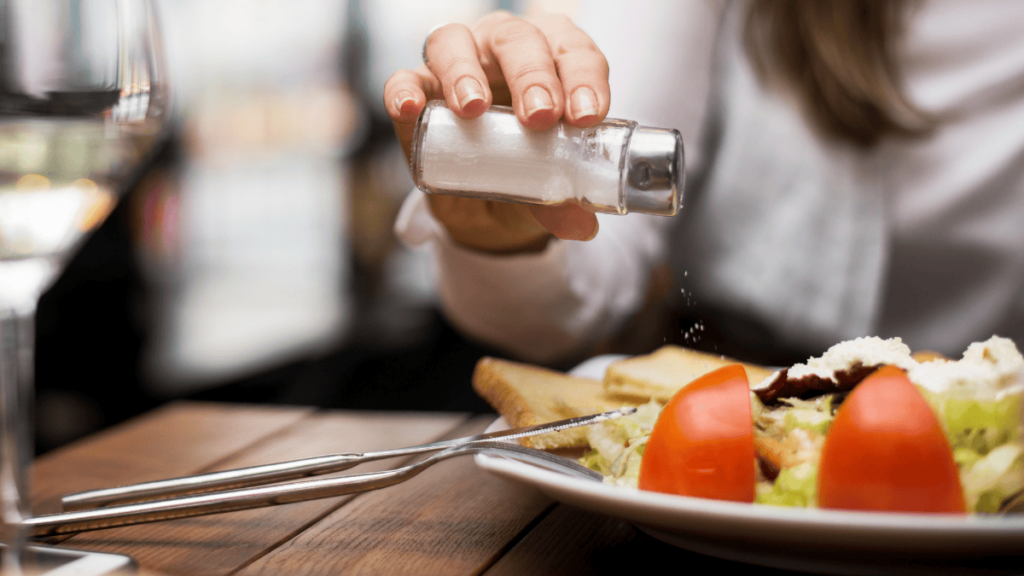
[975, 405]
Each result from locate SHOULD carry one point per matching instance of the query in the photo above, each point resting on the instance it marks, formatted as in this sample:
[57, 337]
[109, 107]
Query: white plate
[795, 539]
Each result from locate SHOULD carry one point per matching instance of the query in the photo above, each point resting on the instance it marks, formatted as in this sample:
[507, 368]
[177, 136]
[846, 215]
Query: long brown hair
[837, 56]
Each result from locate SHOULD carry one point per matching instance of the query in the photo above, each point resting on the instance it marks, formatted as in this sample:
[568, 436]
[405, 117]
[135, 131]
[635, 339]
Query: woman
[854, 168]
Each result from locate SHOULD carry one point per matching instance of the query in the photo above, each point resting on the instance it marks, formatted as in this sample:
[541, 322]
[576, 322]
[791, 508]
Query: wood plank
[223, 543]
[180, 438]
[569, 541]
[572, 542]
[451, 519]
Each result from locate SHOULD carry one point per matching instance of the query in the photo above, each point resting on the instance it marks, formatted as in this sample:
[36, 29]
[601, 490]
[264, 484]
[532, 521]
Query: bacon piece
[782, 386]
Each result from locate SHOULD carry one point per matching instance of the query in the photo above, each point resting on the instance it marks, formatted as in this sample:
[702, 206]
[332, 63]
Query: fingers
[501, 228]
[552, 68]
[453, 72]
[521, 53]
[567, 221]
[451, 54]
[405, 95]
[581, 67]
[493, 227]
[545, 68]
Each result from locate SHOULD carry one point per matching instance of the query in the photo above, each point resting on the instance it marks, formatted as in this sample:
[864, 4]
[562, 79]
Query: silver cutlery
[299, 491]
[283, 471]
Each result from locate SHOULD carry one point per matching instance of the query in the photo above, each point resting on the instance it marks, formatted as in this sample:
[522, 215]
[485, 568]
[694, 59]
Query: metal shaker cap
[654, 175]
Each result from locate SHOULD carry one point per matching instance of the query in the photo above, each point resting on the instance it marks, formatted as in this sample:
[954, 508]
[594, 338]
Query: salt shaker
[615, 167]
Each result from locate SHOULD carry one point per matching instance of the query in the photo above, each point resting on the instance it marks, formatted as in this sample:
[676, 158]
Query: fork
[297, 469]
[301, 491]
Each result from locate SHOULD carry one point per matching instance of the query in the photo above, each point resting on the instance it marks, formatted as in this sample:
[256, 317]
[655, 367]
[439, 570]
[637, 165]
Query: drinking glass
[83, 101]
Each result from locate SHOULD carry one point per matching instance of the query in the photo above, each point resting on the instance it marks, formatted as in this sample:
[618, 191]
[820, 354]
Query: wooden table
[452, 519]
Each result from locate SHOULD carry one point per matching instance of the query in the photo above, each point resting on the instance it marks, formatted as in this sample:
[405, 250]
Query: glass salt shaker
[615, 167]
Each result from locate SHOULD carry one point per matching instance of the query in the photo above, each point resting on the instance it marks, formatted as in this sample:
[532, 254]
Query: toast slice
[528, 395]
[662, 373]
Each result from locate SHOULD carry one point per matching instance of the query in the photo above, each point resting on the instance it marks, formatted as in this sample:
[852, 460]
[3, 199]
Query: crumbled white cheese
[991, 368]
[1001, 353]
[868, 351]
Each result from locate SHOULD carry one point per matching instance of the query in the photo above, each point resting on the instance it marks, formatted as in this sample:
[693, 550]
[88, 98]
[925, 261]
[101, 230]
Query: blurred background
[254, 260]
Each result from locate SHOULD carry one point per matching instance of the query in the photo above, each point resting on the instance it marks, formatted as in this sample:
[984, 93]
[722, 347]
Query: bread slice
[662, 373]
[527, 395]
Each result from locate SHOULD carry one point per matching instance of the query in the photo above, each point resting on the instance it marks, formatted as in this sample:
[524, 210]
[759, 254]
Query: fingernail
[584, 103]
[468, 90]
[537, 99]
[402, 99]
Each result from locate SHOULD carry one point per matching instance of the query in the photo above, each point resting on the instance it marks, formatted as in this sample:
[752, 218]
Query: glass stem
[17, 341]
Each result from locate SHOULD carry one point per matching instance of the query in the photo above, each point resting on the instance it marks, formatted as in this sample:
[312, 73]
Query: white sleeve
[544, 306]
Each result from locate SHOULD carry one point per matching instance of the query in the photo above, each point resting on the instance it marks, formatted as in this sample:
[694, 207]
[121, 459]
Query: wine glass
[83, 102]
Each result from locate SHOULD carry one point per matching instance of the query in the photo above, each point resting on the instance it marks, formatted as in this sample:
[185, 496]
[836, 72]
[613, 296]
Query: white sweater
[822, 241]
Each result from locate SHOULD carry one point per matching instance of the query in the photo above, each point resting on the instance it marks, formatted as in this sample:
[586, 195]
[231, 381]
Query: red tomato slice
[703, 442]
[886, 450]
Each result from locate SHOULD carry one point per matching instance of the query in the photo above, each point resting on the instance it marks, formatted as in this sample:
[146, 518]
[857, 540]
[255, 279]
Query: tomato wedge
[703, 442]
[886, 451]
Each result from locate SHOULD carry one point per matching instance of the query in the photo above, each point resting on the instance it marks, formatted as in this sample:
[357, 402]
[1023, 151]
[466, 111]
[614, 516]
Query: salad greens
[988, 445]
[617, 446]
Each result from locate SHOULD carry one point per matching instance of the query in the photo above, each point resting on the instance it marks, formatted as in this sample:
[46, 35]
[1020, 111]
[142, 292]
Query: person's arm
[503, 278]
[547, 305]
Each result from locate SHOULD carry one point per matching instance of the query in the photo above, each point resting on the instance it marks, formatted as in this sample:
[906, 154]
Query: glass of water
[83, 103]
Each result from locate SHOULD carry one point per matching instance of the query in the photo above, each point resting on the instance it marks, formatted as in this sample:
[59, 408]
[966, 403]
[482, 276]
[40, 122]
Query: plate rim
[889, 522]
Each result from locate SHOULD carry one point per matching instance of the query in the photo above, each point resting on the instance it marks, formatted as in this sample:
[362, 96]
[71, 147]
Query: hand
[546, 69]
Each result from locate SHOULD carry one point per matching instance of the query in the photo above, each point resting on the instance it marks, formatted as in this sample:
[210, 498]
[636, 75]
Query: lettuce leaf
[987, 438]
[795, 486]
[618, 445]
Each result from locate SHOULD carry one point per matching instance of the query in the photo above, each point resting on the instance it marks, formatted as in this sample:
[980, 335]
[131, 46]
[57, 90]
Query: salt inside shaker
[615, 167]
